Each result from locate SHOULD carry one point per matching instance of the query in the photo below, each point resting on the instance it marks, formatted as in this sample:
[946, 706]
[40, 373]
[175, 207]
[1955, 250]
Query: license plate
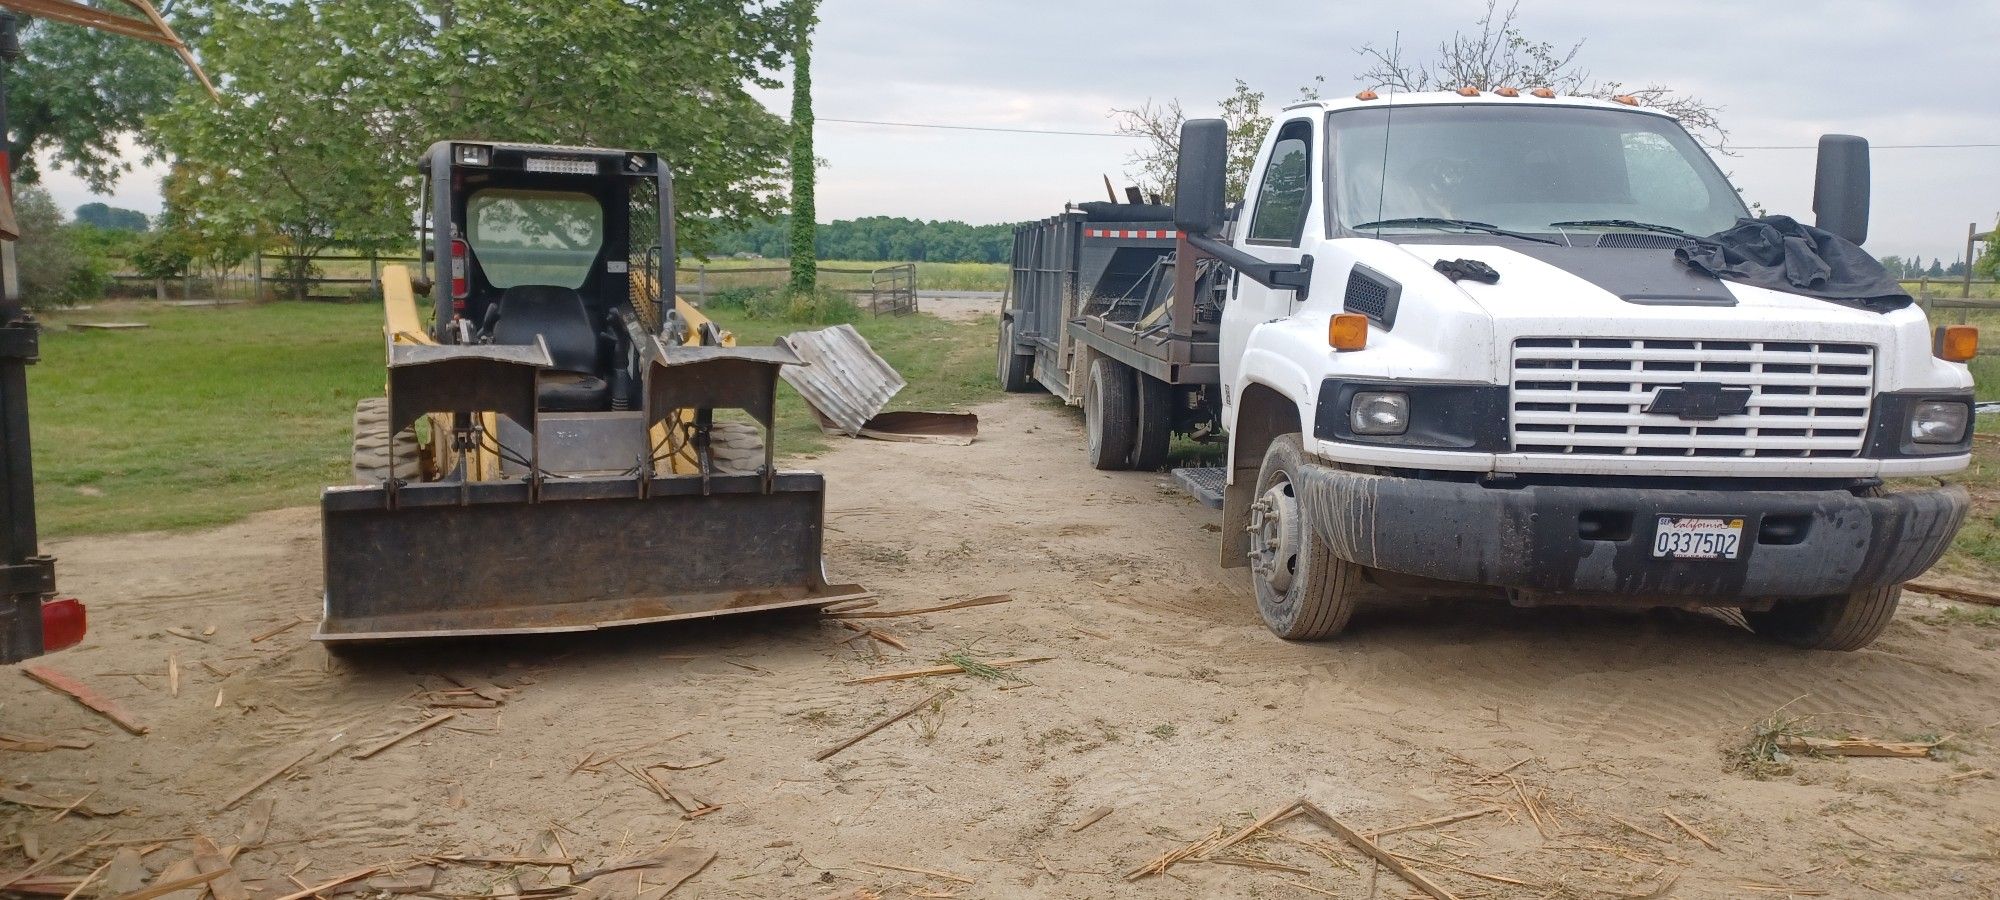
[1698, 537]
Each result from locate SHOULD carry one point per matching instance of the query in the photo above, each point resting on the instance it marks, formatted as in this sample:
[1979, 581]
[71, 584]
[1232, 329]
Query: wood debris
[881, 724]
[34, 743]
[1692, 831]
[987, 600]
[1818, 746]
[36, 801]
[1387, 859]
[275, 630]
[332, 883]
[180, 632]
[948, 670]
[178, 877]
[400, 736]
[1092, 818]
[1951, 593]
[264, 779]
[84, 694]
[961, 879]
[1160, 864]
[212, 860]
[1433, 823]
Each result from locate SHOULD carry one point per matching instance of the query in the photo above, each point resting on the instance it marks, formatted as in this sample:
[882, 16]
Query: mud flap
[588, 553]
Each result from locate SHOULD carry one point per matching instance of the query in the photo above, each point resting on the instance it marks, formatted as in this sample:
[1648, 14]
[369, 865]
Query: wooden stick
[987, 600]
[31, 741]
[173, 674]
[1975, 773]
[1254, 863]
[397, 738]
[913, 869]
[355, 875]
[878, 726]
[1254, 827]
[163, 888]
[265, 779]
[1431, 823]
[87, 879]
[1857, 747]
[1951, 593]
[72, 807]
[274, 631]
[1451, 868]
[1096, 815]
[1691, 830]
[1387, 859]
[1645, 831]
[82, 693]
[948, 670]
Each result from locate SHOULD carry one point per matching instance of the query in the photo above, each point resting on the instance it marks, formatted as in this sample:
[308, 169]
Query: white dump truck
[1515, 344]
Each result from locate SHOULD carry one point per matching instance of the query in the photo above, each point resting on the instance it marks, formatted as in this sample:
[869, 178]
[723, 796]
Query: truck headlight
[1936, 421]
[1379, 412]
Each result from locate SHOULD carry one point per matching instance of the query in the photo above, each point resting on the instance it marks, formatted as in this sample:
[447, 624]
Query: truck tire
[375, 450]
[735, 448]
[1848, 622]
[1304, 592]
[1015, 370]
[1110, 414]
[1153, 433]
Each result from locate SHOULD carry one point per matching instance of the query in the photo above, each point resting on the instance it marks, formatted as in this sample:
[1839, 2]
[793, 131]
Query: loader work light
[473, 155]
[560, 166]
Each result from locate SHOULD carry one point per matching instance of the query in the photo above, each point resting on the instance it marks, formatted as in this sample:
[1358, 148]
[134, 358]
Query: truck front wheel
[1848, 622]
[1304, 592]
[1110, 414]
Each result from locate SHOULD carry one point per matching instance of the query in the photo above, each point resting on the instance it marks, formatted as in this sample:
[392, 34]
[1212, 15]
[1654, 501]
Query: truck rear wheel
[1848, 622]
[1110, 414]
[1014, 369]
[376, 453]
[1304, 592]
[1153, 433]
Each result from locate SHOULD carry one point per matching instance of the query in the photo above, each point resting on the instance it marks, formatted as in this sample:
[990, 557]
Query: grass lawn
[931, 276]
[211, 414]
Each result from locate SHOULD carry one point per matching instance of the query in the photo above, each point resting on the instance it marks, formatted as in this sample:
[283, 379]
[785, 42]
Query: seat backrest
[559, 316]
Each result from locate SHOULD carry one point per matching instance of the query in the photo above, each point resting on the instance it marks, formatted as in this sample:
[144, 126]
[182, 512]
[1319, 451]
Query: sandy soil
[1165, 701]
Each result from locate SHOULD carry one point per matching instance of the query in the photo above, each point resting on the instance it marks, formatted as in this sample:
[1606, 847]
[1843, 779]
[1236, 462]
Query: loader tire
[374, 449]
[735, 448]
[1110, 414]
[1304, 592]
[1846, 622]
[1015, 371]
[1153, 432]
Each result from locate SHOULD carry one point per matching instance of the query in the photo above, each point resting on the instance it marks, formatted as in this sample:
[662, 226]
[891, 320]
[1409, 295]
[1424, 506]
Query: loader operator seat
[559, 316]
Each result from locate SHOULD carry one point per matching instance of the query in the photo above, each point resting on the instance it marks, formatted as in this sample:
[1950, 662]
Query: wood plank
[1951, 593]
[1387, 859]
[252, 787]
[166, 885]
[84, 694]
[878, 726]
[947, 670]
[987, 600]
[209, 859]
[398, 737]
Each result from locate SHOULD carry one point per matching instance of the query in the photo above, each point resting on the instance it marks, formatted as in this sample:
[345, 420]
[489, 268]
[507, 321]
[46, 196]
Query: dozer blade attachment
[445, 559]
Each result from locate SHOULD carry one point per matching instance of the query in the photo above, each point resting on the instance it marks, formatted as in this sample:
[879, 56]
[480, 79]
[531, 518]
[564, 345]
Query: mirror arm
[1280, 276]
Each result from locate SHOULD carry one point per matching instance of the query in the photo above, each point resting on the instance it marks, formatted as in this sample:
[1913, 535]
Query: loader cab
[533, 242]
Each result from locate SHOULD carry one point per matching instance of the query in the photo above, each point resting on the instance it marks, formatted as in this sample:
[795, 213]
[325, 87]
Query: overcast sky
[1896, 73]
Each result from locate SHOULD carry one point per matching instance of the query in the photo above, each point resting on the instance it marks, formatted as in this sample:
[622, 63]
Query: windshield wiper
[1467, 224]
[1621, 223]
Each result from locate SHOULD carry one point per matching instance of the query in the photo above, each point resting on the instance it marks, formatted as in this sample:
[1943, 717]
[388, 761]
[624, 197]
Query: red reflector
[62, 624]
[461, 281]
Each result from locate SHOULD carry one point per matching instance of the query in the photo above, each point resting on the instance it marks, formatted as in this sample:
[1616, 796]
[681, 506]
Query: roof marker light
[1365, 95]
[1507, 92]
[1626, 99]
[1468, 91]
[1543, 93]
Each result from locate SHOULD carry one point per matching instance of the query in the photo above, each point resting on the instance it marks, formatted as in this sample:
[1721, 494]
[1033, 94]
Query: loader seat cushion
[559, 316]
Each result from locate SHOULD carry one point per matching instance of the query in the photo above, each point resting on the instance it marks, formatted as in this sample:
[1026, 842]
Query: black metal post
[26, 577]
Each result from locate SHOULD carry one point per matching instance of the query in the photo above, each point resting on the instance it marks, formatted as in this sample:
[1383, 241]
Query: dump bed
[1100, 276]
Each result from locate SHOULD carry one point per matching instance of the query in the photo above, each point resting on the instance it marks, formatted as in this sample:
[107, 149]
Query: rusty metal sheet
[915, 427]
[843, 378]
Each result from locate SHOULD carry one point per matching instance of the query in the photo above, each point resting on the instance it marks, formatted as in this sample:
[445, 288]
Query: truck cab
[1465, 351]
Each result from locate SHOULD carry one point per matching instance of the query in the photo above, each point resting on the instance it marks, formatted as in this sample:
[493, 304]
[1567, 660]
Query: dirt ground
[1164, 701]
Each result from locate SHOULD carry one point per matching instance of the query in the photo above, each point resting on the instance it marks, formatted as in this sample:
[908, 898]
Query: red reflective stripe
[1143, 234]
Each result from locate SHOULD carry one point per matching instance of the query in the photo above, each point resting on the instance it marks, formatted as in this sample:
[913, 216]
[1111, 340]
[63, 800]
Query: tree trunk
[804, 258]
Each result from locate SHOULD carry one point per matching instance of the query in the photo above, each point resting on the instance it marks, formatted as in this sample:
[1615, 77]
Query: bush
[775, 304]
[55, 270]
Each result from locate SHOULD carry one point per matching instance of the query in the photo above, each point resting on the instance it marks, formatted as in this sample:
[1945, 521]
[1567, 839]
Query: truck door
[1271, 227]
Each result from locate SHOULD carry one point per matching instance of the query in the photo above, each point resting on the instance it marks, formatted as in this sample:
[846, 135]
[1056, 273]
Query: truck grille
[1588, 396]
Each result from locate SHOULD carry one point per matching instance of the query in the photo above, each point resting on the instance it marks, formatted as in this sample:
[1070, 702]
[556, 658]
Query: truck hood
[1552, 283]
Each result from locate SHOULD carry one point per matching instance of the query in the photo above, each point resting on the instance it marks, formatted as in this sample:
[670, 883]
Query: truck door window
[535, 237]
[1283, 197]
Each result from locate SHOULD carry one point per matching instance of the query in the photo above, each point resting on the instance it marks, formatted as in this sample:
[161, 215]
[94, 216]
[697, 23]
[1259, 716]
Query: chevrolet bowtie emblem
[1700, 401]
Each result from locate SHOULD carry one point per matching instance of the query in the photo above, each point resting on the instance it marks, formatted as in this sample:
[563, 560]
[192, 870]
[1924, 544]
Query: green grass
[931, 276]
[204, 417]
[212, 414]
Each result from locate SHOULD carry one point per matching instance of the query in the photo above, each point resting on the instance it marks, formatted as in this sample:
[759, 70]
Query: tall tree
[1987, 264]
[82, 121]
[1496, 54]
[1159, 129]
[804, 255]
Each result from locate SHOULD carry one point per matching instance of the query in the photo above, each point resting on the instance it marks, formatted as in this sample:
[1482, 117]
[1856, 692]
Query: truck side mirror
[1840, 186]
[1198, 177]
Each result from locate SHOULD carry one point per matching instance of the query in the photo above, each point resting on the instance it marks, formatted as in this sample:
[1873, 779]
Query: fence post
[257, 276]
[375, 271]
[187, 284]
[701, 282]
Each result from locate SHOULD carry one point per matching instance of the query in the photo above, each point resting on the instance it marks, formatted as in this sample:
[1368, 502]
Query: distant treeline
[888, 238]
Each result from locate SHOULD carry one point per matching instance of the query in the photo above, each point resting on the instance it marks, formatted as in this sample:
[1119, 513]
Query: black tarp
[1784, 254]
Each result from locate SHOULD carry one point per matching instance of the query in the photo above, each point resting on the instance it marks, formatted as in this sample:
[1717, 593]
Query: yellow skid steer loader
[548, 455]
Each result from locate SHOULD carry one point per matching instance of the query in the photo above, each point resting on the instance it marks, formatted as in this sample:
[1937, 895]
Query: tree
[81, 120]
[112, 218]
[1159, 127]
[54, 270]
[1936, 270]
[1497, 54]
[1987, 265]
[805, 272]
[1892, 264]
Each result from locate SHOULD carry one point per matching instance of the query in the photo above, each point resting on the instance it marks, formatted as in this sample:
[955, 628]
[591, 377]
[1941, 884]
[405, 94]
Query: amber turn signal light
[1957, 343]
[1347, 331]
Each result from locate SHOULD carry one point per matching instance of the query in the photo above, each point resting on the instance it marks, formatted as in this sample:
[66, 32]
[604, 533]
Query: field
[931, 276]
[212, 413]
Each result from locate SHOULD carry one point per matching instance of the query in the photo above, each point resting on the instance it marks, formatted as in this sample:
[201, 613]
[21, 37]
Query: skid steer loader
[548, 455]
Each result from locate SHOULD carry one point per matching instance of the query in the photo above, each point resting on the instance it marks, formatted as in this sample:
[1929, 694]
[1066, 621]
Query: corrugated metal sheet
[843, 377]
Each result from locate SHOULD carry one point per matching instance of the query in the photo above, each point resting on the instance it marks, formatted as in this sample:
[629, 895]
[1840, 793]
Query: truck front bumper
[1599, 540]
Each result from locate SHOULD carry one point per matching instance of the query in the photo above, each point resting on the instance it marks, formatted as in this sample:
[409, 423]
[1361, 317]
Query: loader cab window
[534, 237]
[1282, 198]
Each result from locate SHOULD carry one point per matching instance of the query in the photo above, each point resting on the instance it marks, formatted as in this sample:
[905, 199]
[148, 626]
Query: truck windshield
[1523, 168]
[534, 237]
